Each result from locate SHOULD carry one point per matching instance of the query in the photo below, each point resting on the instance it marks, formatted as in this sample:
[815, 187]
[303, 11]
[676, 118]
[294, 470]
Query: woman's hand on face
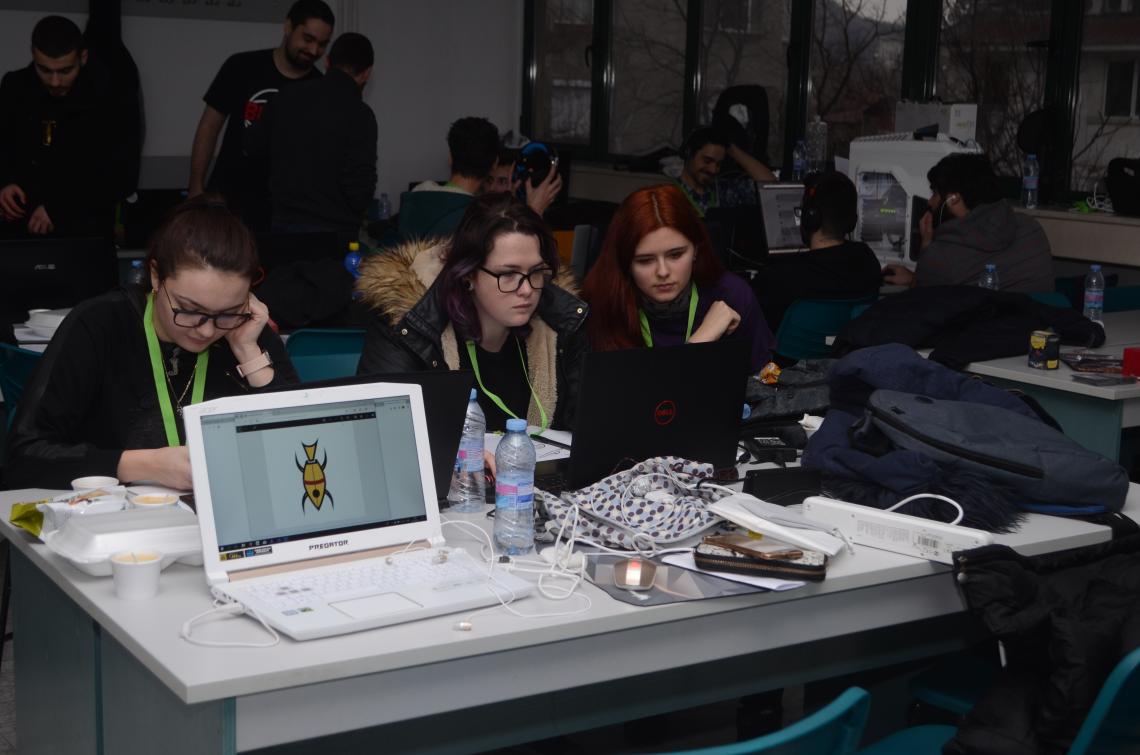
[721, 320]
[243, 340]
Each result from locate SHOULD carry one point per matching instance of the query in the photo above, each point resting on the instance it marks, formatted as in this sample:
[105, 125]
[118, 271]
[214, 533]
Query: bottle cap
[991, 266]
[516, 425]
[1095, 268]
[1032, 156]
[354, 246]
[473, 395]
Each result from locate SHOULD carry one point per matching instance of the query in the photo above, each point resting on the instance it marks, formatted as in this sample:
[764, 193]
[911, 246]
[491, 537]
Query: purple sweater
[670, 331]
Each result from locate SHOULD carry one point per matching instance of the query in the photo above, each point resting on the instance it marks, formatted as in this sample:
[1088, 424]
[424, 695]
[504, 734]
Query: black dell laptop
[682, 401]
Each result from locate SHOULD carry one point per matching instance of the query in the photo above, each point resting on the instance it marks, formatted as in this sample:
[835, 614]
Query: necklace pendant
[178, 409]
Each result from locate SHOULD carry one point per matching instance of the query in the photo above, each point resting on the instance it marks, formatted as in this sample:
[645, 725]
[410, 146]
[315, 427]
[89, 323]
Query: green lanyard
[494, 398]
[159, 371]
[647, 335]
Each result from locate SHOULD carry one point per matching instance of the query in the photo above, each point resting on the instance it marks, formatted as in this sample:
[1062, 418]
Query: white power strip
[898, 533]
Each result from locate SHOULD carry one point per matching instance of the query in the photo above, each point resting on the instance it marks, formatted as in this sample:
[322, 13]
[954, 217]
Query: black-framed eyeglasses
[188, 318]
[512, 281]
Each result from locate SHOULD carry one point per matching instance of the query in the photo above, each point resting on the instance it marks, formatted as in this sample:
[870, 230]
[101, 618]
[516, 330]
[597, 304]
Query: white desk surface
[867, 590]
[1061, 379]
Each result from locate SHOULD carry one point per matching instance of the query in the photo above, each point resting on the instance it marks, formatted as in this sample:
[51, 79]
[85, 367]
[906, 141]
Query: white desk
[1091, 415]
[96, 674]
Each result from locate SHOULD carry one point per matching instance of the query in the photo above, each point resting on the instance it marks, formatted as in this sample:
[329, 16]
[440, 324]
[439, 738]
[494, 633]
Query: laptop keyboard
[418, 568]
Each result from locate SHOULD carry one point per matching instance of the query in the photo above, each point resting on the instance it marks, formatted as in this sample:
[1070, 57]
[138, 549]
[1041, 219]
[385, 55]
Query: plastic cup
[136, 573]
[93, 482]
[150, 501]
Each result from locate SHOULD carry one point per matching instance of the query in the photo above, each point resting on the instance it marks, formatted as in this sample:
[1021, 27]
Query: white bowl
[93, 482]
[152, 501]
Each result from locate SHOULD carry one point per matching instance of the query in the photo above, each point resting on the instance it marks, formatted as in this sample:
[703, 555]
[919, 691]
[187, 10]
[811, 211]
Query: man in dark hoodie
[58, 136]
[970, 225]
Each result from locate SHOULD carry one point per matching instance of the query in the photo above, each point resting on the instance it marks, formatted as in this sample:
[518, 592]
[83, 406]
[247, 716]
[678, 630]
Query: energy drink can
[1044, 350]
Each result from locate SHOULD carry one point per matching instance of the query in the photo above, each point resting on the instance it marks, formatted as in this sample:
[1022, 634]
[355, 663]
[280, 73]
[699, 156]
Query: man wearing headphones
[970, 225]
[833, 267]
[703, 152]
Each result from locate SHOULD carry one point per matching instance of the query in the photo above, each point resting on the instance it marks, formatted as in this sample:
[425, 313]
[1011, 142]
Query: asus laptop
[318, 511]
[53, 273]
[682, 401]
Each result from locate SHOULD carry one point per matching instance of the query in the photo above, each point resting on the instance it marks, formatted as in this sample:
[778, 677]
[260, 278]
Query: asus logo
[329, 544]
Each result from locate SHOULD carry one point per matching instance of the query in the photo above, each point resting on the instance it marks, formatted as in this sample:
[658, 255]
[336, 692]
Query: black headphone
[811, 219]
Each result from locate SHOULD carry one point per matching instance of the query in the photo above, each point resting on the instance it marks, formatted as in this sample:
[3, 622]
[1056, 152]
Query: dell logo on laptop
[329, 544]
[665, 412]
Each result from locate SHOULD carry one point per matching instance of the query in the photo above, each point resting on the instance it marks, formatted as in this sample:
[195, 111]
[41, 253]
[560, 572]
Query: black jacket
[320, 139]
[1065, 619]
[92, 396]
[400, 286]
[963, 324]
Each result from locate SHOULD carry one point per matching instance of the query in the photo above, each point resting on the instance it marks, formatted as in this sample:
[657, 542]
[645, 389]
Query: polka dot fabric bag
[660, 501]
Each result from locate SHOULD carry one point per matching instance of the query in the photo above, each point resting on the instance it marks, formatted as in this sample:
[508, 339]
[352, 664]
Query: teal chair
[16, 367]
[834, 729]
[325, 353]
[1112, 724]
[1052, 298]
[1121, 298]
[808, 323]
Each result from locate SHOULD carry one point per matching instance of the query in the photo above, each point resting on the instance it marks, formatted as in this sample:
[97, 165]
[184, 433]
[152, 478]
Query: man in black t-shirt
[246, 82]
[60, 139]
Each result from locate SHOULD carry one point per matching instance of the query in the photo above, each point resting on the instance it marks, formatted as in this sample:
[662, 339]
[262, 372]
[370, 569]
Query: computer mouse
[634, 573]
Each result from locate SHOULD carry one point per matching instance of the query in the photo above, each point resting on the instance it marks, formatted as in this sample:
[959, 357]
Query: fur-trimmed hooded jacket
[410, 330]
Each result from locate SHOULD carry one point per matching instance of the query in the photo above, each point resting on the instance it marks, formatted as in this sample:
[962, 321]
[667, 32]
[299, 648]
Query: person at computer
[236, 99]
[834, 267]
[107, 397]
[492, 299]
[657, 282]
[969, 225]
[704, 151]
[62, 139]
[502, 175]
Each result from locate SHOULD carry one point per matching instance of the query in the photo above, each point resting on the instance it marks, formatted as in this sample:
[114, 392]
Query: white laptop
[778, 203]
[308, 501]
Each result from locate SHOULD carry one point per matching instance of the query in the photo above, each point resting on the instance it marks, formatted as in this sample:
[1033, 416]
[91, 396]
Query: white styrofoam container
[88, 541]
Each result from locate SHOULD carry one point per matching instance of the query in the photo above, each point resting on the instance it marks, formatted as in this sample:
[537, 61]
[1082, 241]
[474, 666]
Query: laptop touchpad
[375, 605]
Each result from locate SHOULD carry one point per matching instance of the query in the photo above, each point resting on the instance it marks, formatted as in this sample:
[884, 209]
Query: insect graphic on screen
[313, 477]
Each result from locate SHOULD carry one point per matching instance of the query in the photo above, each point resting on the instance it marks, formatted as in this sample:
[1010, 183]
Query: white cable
[950, 501]
[227, 609]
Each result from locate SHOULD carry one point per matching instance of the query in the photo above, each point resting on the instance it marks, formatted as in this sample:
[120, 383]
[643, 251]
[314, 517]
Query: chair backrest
[16, 367]
[1113, 722]
[325, 353]
[1052, 298]
[834, 729]
[807, 324]
[1121, 298]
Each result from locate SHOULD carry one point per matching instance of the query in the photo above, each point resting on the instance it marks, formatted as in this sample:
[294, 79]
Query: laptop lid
[282, 478]
[778, 203]
[51, 273]
[445, 395]
[681, 401]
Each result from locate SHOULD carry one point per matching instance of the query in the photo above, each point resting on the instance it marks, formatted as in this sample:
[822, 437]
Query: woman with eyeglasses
[657, 282]
[107, 397]
[490, 300]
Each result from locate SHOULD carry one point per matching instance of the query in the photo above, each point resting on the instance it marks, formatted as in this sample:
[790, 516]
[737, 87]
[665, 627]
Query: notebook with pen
[318, 511]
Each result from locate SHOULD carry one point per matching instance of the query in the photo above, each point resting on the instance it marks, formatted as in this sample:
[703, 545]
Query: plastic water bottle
[799, 161]
[468, 485]
[385, 206]
[1094, 294]
[137, 275]
[514, 490]
[989, 277]
[1030, 171]
[817, 145]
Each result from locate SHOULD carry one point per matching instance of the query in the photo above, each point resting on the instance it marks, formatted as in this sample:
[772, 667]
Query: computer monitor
[778, 203]
[53, 273]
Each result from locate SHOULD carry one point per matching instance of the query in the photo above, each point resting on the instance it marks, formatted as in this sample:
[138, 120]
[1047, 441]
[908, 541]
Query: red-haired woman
[657, 282]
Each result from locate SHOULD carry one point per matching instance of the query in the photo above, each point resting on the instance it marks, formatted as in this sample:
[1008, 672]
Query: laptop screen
[299, 472]
[778, 203]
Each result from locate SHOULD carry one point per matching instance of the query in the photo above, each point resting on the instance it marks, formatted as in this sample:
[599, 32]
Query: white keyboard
[438, 569]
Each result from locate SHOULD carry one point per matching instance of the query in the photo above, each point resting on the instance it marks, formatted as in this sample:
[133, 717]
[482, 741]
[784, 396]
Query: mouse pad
[671, 584]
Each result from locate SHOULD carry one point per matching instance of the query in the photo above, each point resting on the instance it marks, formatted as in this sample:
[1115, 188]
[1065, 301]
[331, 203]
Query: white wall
[436, 60]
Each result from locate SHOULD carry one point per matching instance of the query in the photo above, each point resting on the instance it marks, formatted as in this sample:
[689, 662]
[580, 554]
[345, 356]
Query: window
[563, 35]
[994, 54]
[648, 63]
[1106, 123]
[856, 68]
[744, 43]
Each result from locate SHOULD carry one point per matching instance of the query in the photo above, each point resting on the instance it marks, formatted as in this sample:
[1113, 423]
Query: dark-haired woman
[107, 397]
[657, 282]
[491, 300]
